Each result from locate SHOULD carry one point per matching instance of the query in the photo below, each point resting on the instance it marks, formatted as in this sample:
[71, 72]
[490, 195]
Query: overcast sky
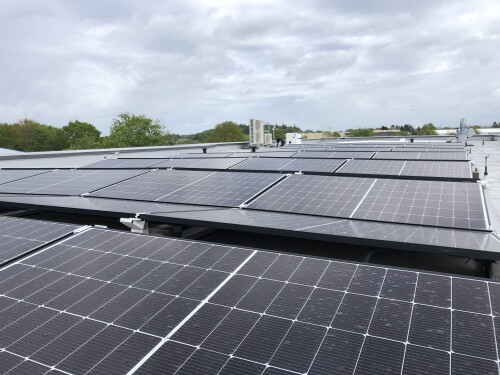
[320, 64]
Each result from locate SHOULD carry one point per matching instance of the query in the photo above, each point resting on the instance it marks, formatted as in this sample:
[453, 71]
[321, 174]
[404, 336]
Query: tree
[129, 130]
[81, 135]
[427, 129]
[495, 125]
[362, 132]
[384, 128]
[476, 128]
[227, 131]
[331, 135]
[29, 135]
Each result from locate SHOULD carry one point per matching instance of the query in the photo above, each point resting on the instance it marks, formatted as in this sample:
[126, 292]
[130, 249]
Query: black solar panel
[313, 165]
[437, 169]
[420, 168]
[314, 195]
[223, 189]
[211, 163]
[356, 148]
[123, 163]
[21, 236]
[68, 182]
[334, 155]
[430, 155]
[13, 175]
[268, 154]
[152, 186]
[373, 167]
[262, 164]
[277, 314]
[447, 204]
[200, 155]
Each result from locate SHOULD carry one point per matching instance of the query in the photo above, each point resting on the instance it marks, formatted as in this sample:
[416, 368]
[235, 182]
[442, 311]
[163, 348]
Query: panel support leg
[136, 225]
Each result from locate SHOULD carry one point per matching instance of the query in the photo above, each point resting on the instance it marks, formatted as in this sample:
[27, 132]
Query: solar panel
[438, 169]
[407, 168]
[262, 164]
[200, 155]
[431, 155]
[152, 186]
[447, 204]
[9, 175]
[21, 236]
[313, 154]
[270, 154]
[217, 163]
[211, 163]
[334, 155]
[313, 165]
[223, 189]
[372, 167]
[314, 195]
[123, 163]
[68, 182]
[354, 149]
[157, 305]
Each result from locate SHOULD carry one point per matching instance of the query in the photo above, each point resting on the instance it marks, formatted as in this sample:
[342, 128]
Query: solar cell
[8, 175]
[217, 163]
[68, 182]
[21, 236]
[266, 154]
[123, 163]
[447, 204]
[294, 165]
[378, 320]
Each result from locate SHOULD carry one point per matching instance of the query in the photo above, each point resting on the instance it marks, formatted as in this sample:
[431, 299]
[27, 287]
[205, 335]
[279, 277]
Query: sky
[318, 64]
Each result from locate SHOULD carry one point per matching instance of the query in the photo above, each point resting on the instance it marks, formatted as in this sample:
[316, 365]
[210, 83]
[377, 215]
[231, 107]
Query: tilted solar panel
[9, 175]
[152, 186]
[435, 203]
[123, 163]
[68, 182]
[21, 236]
[108, 302]
[229, 189]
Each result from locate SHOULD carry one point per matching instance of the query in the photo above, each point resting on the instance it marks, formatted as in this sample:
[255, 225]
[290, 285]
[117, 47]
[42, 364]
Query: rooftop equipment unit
[268, 139]
[256, 129]
[293, 138]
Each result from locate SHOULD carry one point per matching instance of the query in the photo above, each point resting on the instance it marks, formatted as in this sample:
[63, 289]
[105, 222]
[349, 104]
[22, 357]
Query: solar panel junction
[8, 175]
[105, 302]
[430, 155]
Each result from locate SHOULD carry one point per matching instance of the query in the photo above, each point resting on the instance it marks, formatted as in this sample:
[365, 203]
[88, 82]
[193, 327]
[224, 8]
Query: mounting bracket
[136, 225]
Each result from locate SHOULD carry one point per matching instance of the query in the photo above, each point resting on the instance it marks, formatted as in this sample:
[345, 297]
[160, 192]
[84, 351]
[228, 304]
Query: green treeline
[127, 130]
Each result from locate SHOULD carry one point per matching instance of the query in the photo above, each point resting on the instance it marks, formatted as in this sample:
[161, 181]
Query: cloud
[316, 63]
